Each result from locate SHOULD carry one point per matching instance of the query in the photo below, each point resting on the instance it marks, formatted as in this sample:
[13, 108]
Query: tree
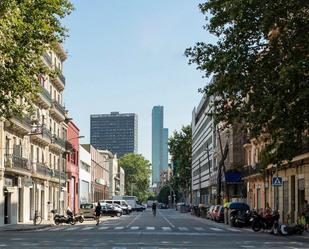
[180, 148]
[163, 194]
[137, 173]
[260, 65]
[27, 29]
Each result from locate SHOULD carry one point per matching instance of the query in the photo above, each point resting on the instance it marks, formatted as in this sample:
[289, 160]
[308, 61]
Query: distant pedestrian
[306, 212]
[98, 213]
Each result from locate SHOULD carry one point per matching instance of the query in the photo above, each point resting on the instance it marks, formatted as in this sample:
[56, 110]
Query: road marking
[135, 218]
[103, 228]
[170, 223]
[87, 228]
[199, 229]
[166, 228]
[118, 228]
[134, 228]
[150, 228]
[216, 229]
[56, 229]
[72, 228]
[183, 228]
[233, 229]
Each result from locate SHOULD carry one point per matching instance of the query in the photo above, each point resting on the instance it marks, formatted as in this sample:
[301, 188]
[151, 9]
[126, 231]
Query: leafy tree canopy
[180, 148]
[27, 29]
[137, 173]
[260, 62]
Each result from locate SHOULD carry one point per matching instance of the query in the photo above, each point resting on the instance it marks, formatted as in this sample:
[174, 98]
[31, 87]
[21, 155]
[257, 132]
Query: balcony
[43, 170]
[21, 125]
[58, 79]
[59, 174]
[44, 98]
[47, 59]
[57, 143]
[57, 111]
[41, 135]
[16, 162]
[249, 170]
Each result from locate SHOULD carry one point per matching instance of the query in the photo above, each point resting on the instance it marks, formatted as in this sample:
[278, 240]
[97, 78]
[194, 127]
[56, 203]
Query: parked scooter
[79, 218]
[60, 218]
[291, 229]
[241, 219]
[266, 222]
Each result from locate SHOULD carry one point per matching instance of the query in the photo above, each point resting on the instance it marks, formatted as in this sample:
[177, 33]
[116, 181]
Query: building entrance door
[20, 205]
[7, 208]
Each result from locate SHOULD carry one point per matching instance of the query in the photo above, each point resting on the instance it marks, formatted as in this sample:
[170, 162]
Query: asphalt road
[169, 229]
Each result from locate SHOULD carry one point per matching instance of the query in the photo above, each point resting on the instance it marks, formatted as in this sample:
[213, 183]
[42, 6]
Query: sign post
[277, 182]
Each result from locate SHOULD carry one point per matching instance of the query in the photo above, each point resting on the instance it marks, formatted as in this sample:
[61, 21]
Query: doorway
[42, 203]
[7, 208]
[20, 205]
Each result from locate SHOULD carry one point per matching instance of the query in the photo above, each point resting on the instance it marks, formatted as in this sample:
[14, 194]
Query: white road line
[233, 229]
[56, 229]
[199, 229]
[183, 228]
[103, 228]
[170, 223]
[118, 228]
[87, 228]
[135, 218]
[166, 228]
[216, 229]
[71, 228]
[134, 228]
[150, 228]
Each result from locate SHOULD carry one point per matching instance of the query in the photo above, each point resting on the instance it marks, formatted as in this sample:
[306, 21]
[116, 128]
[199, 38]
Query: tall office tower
[165, 149]
[159, 144]
[116, 132]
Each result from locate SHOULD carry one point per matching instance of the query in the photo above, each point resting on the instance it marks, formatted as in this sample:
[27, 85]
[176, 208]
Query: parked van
[124, 205]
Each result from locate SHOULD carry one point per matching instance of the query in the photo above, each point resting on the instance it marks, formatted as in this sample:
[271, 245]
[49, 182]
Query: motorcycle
[266, 222]
[79, 218]
[291, 229]
[240, 219]
[60, 218]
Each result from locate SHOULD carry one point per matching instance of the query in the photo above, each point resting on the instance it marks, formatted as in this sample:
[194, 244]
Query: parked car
[219, 215]
[236, 208]
[87, 210]
[139, 208]
[124, 205]
[214, 212]
[109, 210]
[209, 211]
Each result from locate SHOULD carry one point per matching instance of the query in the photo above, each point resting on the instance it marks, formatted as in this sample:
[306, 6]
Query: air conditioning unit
[19, 182]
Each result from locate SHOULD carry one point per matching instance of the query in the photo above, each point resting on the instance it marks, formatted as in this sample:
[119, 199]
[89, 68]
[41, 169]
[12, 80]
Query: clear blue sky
[127, 56]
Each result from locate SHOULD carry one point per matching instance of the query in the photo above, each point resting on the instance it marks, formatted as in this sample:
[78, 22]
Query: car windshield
[86, 206]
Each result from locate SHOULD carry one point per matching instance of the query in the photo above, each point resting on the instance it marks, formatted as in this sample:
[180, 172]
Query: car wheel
[118, 214]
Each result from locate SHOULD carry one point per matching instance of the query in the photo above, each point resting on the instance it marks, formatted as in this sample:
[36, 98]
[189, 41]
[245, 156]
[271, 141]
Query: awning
[233, 177]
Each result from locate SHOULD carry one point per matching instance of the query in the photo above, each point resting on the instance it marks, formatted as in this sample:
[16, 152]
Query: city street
[169, 229]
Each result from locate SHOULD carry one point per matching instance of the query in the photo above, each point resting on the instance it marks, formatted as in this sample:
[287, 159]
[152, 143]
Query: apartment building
[32, 158]
[204, 165]
[84, 176]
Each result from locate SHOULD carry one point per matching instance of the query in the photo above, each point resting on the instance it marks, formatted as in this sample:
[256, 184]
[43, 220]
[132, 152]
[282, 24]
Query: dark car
[139, 208]
[109, 210]
[236, 208]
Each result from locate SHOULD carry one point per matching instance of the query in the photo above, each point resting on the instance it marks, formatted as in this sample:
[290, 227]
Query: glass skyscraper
[159, 144]
[116, 132]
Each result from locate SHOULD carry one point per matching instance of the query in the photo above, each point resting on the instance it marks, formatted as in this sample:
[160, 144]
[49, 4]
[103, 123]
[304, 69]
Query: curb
[26, 228]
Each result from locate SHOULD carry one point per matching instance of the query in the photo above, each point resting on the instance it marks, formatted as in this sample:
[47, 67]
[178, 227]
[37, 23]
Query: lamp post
[64, 169]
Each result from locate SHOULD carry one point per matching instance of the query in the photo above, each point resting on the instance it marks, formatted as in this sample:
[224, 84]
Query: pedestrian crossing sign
[277, 181]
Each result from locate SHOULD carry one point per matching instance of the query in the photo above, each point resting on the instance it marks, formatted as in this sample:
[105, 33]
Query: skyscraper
[116, 132]
[159, 143]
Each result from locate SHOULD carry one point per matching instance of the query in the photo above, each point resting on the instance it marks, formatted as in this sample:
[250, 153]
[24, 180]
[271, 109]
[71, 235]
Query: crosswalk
[107, 227]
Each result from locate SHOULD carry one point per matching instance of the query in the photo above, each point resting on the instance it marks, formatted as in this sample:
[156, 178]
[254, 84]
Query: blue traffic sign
[277, 181]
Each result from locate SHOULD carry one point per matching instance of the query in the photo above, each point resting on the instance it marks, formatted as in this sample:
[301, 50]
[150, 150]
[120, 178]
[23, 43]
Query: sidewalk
[221, 224]
[25, 226]
[45, 223]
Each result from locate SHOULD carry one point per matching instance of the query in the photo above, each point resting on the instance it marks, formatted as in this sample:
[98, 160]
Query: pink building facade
[72, 167]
